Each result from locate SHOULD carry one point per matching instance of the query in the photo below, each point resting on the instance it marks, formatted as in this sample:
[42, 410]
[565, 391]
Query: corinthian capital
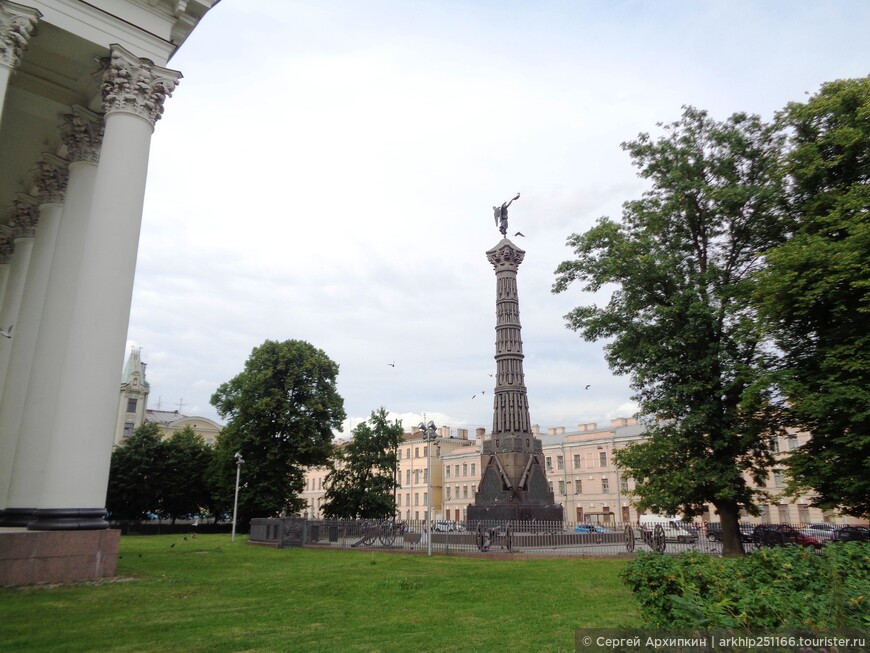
[17, 23]
[82, 133]
[25, 217]
[135, 85]
[50, 175]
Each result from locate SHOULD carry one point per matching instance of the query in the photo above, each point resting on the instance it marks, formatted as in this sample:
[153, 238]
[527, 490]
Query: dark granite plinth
[31, 557]
[513, 513]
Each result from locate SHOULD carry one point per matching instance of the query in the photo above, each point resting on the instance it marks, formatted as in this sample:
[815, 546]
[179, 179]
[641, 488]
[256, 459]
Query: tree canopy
[136, 475]
[680, 321]
[815, 294]
[362, 481]
[281, 412]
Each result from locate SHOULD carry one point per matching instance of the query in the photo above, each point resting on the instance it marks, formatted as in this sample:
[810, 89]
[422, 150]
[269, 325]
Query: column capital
[50, 175]
[135, 85]
[17, 23]
[7, 243]
[505, 256]
[82, 133]
[26, 216]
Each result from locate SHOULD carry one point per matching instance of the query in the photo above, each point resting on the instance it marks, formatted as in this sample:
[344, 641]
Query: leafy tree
[362, 481]
[282, 409]
[186, 459]
[679, 320]
[136, 475]
[815, 294]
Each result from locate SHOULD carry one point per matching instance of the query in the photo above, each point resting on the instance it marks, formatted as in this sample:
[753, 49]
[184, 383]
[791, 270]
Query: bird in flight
[7, 333]
[520, 233]
[587, 387]
[391, 364]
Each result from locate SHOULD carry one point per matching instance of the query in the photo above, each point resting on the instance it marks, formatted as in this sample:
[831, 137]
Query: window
[550, 485]
[778, 478]
[456, 470]
[426, 475]
[578, 487]
[576, 461]
[131, 405]
[447, 471]
[407, 453]
[623, 485]
[605, 485]
[765, 513]
[416, 499]
[465, 469]
[319, 483]
[782, 510]
[560, 462]
[407, 477]
[561, 487]
[774, 445]
[602, 459]
[549, 464]
[457, 492]
[399, 500]
[464, 491]
[472, 469]
[803, 513]
[416, 452]
[128, 429]
[792, 442]
[426, 451]
[426, 498]
[447, 489]
[416, 477]
[408, 500]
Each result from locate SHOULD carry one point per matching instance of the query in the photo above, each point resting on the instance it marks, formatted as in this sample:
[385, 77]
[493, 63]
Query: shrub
[770, 588]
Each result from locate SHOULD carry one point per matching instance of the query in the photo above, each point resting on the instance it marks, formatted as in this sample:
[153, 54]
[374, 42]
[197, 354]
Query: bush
[789, 587]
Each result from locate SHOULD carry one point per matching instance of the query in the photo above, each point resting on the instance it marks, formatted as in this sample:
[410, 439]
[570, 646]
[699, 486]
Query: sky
[326, 171]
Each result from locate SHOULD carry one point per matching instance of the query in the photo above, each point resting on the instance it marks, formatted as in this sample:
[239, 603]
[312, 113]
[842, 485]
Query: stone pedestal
[31, 557]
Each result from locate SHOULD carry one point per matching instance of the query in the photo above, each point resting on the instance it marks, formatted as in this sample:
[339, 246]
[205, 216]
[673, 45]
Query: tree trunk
[732, 540]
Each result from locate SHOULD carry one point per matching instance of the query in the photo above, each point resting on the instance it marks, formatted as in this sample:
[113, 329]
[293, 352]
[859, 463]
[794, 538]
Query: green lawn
[208, 594]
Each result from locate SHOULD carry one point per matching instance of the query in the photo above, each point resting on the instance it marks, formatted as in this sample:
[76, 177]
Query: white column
[77, 465]
[82, 134]
[24, 223]
[50, 178]
[16, 25]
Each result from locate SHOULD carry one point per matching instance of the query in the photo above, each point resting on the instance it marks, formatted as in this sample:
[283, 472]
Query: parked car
[714, 532]
[852, 534]
[822, 532]
[674, 528]
[446, 527]
[782, 535]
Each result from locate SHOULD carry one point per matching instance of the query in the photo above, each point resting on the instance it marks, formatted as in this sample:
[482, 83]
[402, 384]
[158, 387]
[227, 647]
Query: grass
[209, 594]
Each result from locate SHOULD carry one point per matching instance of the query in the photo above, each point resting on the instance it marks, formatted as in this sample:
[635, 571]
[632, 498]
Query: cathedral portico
[66, 275]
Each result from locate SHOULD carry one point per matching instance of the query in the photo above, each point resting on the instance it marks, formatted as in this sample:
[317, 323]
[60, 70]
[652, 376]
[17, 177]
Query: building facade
[580, 469]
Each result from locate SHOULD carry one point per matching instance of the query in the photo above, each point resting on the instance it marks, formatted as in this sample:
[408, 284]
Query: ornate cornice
[82, 133]
[50, 175]
[17, 24]
[26, 216]
[135, 85]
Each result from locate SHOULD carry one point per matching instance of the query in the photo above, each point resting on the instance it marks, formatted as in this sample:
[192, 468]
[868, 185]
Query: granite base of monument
[514, 514]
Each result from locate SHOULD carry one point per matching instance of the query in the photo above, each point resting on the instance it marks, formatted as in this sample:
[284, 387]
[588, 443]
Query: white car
[822, 532]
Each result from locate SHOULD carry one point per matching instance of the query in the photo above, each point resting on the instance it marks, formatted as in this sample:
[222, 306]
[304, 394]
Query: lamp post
[429, 435]
[239, 462]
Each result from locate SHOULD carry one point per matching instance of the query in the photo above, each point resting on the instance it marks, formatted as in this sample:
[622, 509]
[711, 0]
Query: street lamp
[429, 435]
[239, 462]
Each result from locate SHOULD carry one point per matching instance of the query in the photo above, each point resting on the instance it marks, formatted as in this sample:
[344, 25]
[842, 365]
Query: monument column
[77, 466]
[17, 23]
[513, 485]
[50, 178]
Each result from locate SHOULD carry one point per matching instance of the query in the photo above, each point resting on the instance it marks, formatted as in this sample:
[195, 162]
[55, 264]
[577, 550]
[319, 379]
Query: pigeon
[391, 364]
[587, 387]
[7, 333]
[520, 233]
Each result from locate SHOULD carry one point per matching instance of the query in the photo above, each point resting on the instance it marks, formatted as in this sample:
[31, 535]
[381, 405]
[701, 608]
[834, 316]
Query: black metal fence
[538, 538]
